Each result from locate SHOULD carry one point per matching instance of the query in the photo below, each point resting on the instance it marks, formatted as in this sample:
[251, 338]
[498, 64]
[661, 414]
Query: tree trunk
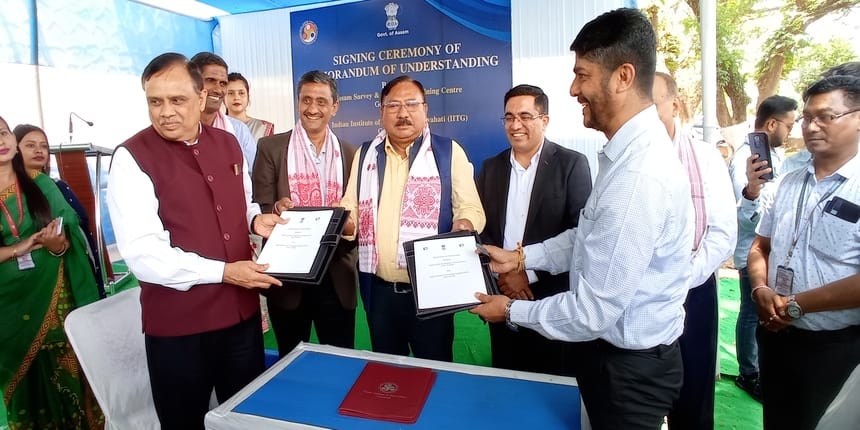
[723, 115]
[784, 41]
[768, 81]
[740, 100]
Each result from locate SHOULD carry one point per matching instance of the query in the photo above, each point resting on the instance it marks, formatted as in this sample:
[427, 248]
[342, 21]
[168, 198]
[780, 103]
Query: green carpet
[471, 337]
[733, 408]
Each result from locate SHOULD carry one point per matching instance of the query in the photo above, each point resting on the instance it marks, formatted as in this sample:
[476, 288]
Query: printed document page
[448, 272]
[292, 247]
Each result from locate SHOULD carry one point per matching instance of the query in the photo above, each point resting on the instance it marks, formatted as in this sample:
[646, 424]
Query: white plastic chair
[108, 340]
[843, 412]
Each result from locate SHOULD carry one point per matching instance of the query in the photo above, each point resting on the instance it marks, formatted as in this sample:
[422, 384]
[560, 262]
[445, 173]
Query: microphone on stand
[89, 123]
[72, 125]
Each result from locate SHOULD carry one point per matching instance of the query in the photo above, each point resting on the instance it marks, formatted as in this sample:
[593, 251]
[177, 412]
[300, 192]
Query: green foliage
[784, 41]
[786, 50]
[816, 58]
[791, 38]
[731, 38]
[670, 46]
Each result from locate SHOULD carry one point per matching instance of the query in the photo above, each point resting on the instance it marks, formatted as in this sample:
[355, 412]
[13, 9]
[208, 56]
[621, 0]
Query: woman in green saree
[44, 275]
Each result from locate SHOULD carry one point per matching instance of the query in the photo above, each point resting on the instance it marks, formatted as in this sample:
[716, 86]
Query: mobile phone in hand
[759, 145]
[59, 225]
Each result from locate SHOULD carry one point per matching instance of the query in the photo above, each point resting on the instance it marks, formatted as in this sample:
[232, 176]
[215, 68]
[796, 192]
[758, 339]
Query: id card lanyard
[25, 261]
[801, 202]
[13, 226]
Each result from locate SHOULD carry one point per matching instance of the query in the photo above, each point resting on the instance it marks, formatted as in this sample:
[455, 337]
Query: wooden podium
[74, 170]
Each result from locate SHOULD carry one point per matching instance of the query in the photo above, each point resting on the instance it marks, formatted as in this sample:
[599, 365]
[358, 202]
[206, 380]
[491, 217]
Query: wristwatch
[793, 309]
[511, 325]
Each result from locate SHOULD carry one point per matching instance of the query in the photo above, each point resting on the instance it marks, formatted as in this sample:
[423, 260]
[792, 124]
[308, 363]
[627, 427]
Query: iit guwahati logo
[388, 387]
[308, 32]
[391, 12]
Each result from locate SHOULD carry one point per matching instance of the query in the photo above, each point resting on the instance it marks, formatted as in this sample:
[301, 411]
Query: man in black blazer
[330, 306]
[531, 192]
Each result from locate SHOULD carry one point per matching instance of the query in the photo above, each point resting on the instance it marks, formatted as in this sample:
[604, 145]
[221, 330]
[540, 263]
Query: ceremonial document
[446, 272]
[300, 251]
[293, 247]
[389, 393]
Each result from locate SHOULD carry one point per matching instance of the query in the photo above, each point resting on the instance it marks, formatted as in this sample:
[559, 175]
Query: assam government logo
[308, 32]
[391, 11]
[388, 387]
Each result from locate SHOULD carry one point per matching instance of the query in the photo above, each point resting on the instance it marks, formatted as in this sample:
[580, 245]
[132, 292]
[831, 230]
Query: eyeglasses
[524, 118]
[394, 107]
[788, 125]
[823, 120]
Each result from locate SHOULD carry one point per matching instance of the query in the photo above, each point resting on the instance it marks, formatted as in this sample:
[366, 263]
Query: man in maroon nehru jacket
[180, 201]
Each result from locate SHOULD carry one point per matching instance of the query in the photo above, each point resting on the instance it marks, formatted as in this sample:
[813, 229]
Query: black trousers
[394, 328]
[529, 351]
[802, 371]
[695, 407]
[320, 306]
[629, 389]
[183, 370]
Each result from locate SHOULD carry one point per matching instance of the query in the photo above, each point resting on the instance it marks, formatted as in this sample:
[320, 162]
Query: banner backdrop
[460, 50]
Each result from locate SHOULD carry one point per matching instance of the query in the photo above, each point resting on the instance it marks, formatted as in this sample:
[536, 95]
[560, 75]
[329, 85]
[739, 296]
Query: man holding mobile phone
[774, 117]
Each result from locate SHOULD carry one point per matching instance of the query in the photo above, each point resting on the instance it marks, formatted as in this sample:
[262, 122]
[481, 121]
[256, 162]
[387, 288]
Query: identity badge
[25, 262]
[784, 280]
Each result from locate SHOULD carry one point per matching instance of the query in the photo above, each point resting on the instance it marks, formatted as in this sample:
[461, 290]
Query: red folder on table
[388, 393]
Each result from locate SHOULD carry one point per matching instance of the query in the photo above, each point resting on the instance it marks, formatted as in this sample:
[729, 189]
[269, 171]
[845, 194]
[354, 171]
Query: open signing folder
[446, 272]
[301, 250]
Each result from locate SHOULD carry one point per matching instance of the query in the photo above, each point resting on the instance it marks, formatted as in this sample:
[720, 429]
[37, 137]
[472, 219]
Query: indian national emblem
[391, 12]
[388, 387]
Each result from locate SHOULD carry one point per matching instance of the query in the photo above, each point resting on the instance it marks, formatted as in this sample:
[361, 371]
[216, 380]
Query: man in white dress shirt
[809, 239]
[714, 240]
[629, 258]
